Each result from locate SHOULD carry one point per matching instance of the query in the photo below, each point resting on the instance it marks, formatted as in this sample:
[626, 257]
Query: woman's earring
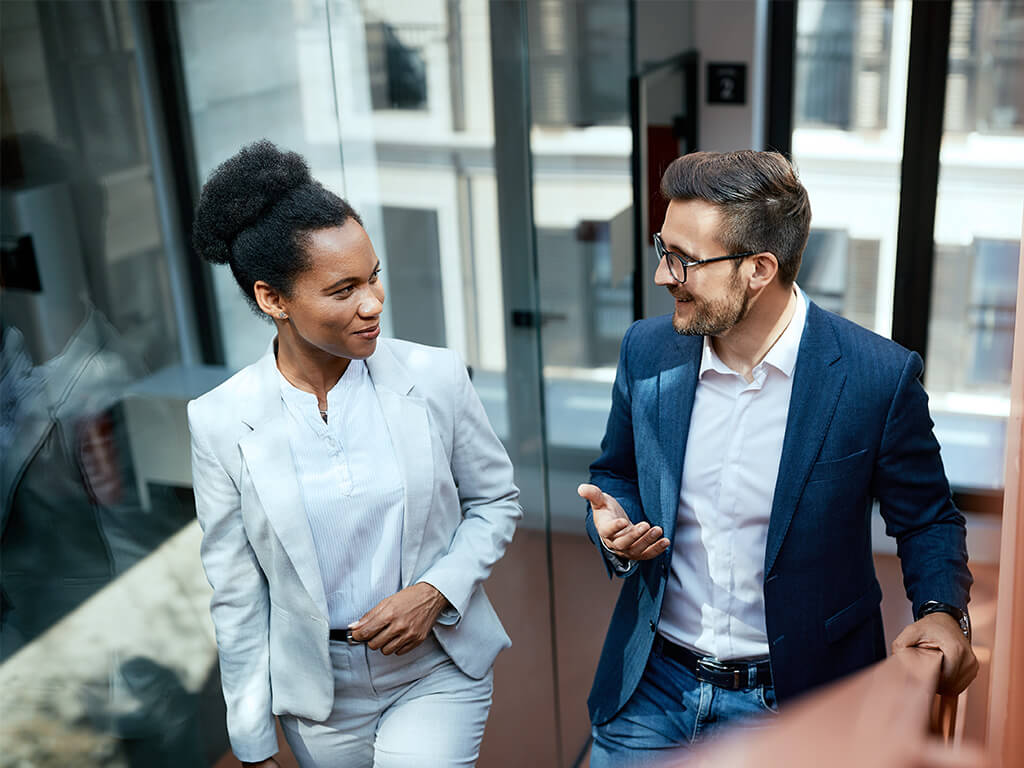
[283, 315]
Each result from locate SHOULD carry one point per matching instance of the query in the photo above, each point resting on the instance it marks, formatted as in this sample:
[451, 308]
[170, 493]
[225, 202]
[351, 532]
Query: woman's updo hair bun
[240, 191]
[256, 211]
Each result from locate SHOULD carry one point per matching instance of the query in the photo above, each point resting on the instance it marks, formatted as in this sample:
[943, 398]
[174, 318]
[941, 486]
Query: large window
[849, 88]
[844, 58]
[977, 239]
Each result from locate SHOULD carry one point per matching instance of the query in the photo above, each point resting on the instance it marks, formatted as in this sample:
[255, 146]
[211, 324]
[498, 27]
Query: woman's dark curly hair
[256, 213]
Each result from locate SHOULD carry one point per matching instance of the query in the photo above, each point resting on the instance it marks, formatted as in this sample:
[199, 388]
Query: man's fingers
[647, 540]
[958, 671]
[654, 550]
[640, 542]
[592, 494]
[611, 529]
[629, 536]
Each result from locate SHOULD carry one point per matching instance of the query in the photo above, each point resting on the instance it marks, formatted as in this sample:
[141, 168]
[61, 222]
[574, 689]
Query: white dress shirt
[352, 492]
[714, 600]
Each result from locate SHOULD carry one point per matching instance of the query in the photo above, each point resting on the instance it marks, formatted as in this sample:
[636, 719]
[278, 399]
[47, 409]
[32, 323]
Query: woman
[352, 496]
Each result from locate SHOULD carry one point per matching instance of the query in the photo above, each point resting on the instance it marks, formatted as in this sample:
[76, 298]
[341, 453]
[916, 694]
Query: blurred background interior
[504, 156]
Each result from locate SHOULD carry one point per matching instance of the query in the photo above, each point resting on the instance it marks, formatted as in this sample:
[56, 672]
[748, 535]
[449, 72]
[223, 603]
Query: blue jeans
[671, 708]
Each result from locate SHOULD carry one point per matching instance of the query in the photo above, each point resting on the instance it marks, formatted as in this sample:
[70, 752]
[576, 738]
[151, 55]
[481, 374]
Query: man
[749, 434]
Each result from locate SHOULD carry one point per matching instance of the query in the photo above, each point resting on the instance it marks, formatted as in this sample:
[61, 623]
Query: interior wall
[732, 32]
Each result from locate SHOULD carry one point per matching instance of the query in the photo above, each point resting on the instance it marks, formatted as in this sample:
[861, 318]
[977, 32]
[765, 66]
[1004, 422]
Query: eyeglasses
[678, 263]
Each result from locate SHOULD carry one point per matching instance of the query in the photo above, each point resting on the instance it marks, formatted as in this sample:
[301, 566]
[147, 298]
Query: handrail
[880, 717]
[943, 718]
[1006, 695]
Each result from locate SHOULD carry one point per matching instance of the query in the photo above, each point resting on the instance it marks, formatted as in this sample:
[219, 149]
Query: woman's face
[335, 304]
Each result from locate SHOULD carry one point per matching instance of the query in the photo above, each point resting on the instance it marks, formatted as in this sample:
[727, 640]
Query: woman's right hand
[268, 763]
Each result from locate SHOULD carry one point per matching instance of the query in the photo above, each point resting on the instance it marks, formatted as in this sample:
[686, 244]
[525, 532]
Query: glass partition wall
[106, 656]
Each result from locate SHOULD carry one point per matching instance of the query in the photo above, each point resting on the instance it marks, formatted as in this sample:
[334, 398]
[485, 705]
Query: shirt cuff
[620, 564]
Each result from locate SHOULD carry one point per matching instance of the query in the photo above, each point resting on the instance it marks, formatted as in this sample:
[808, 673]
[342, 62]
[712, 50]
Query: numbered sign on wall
[727, 83]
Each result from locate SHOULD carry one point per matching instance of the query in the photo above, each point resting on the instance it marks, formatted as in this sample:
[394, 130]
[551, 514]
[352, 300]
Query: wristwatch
[934, 606]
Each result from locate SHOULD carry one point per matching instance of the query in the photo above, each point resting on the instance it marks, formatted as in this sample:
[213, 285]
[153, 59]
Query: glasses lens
[676, 267]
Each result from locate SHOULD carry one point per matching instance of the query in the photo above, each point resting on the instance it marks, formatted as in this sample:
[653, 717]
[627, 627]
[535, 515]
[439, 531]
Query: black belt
[733, 675]
[344, 636]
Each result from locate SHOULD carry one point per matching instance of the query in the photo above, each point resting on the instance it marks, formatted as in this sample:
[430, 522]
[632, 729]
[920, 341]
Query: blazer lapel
[817, 383]
[677, 385]
[269, 461]
[409, 429]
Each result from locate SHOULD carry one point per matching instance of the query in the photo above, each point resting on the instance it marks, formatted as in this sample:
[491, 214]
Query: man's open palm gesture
[630, 541]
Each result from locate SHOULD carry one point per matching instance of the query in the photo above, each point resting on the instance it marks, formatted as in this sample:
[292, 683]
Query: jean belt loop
[751, 675]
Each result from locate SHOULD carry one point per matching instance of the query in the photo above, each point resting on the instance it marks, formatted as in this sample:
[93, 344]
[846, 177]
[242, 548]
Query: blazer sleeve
[913, 493]
[240, 606]
[615, 471]
[488, 497]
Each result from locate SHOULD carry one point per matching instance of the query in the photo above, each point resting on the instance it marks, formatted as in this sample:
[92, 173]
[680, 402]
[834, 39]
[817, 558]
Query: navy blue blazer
[858, 429]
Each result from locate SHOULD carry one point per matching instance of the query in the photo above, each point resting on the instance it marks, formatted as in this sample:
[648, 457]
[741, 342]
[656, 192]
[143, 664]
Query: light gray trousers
[407, 711]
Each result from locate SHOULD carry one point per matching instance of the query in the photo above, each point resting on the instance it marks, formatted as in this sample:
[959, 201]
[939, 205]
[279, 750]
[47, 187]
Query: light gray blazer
[269, 608]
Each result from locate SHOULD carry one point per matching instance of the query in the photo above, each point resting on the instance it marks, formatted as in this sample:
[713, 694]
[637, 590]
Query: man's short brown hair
[764, 206]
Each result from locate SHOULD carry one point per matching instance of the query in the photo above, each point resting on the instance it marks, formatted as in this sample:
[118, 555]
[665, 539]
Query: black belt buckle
[718, 673]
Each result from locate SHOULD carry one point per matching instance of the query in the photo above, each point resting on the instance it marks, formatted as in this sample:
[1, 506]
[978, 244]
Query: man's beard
[714, 317]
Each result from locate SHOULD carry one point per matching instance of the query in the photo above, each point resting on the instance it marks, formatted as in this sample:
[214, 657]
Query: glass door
[416, 113]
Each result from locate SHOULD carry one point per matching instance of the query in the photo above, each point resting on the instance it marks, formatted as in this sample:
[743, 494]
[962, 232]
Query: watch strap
[934, 606]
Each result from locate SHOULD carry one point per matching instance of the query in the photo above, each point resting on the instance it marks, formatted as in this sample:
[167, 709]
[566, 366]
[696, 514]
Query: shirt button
[653, 627]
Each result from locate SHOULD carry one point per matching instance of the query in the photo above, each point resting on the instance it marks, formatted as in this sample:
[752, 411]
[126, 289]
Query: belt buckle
[716, 667]
[351, 640]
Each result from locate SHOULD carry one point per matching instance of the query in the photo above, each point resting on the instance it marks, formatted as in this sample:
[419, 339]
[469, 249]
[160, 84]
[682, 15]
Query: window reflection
[89, 310]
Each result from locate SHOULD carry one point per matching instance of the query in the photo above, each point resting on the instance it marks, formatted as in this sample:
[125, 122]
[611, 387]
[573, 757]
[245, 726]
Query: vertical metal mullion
[170, 82]
[175, 242]
[513, 168]
[636, 150]
[524, 374]
[639, 178]
[781, 75]
[919, 175]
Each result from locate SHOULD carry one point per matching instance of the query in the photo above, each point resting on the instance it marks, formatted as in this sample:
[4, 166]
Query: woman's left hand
[399, 623]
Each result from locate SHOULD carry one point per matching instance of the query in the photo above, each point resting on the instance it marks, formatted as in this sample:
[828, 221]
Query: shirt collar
[781, 356]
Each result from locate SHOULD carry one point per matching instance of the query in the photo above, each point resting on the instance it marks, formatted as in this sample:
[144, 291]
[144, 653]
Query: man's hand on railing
[941, 632]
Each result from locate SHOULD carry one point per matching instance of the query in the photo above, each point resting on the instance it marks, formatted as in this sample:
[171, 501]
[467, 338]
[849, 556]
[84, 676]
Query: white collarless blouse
[352, 490]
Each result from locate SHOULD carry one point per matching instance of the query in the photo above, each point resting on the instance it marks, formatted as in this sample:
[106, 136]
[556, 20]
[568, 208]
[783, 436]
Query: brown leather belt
[732, 675]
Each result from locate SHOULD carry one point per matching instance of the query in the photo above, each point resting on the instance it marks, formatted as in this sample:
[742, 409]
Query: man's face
[714, 297]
